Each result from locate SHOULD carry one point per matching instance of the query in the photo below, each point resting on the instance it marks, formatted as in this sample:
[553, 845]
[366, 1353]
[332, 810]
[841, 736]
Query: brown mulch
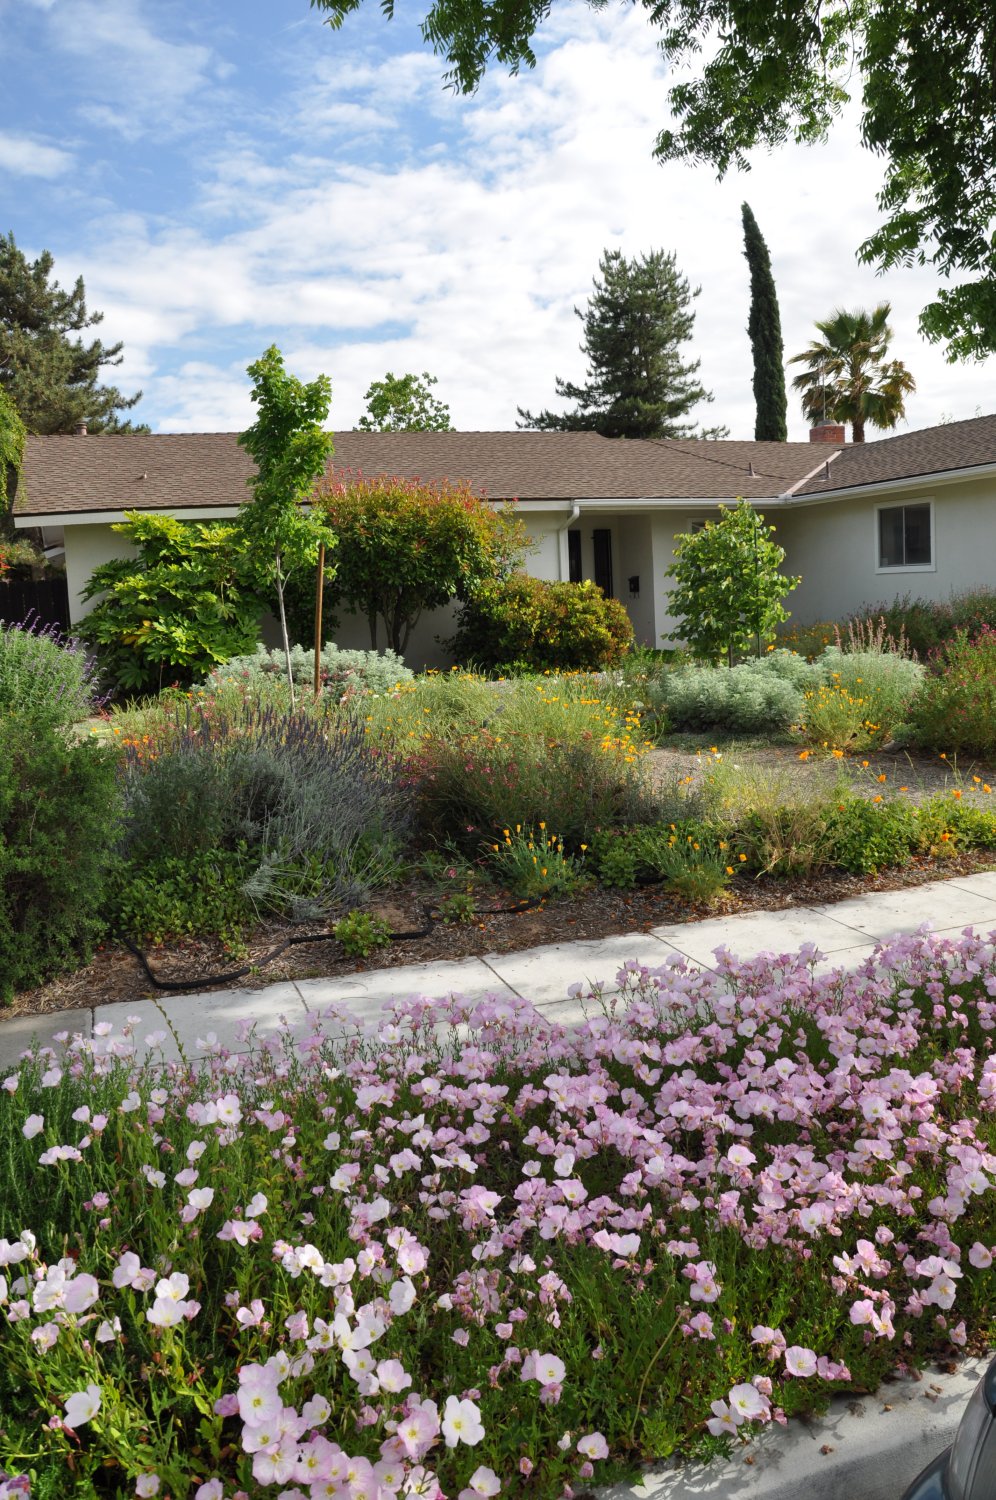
[116, 975]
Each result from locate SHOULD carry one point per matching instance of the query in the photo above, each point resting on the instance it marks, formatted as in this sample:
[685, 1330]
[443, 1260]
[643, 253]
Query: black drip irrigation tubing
[433, 914]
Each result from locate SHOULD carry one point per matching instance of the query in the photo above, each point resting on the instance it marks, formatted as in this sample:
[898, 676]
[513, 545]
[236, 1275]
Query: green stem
[646, 1374]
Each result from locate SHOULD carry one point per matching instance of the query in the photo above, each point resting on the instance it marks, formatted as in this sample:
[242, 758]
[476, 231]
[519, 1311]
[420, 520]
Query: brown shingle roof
[932, 450]
[180, 471]
[177, 471]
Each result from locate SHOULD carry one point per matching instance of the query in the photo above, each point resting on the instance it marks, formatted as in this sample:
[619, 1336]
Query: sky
[228, 176]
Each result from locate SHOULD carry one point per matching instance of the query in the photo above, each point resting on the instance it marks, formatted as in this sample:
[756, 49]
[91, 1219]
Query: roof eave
[885, 486]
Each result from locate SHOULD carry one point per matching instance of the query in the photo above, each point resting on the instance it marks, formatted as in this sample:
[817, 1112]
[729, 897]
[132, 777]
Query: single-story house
[861, 523]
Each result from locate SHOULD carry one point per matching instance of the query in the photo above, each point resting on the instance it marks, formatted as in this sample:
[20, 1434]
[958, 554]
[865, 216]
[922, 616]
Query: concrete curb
[864, 1448]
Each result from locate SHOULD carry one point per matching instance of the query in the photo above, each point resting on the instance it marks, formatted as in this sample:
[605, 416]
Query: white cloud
[24, 157]
[465, 249]
[142, 80]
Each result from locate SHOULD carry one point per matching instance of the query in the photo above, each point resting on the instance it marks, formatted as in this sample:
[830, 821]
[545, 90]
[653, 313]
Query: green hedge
[58, 820]
[528, 624]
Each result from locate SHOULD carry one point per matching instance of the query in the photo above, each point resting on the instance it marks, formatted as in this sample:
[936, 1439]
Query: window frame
[892, 570]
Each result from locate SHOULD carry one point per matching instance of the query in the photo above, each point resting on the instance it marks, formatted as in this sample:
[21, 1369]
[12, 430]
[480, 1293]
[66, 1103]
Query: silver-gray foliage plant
[366, 671]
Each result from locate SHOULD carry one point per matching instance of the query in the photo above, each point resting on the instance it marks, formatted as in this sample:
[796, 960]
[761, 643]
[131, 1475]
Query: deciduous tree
[291, 449]
[403, 547]
[764, 74]
[639, 385]
[765, 328]
[728, 589]
[46, 369]
[404, 403]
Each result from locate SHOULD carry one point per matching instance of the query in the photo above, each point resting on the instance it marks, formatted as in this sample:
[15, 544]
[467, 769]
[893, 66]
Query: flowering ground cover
[466, 1252]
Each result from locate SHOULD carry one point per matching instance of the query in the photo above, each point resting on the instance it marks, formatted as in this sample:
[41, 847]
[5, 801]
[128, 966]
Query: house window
[574, 570]
[697, 526]
[905, 536]
[602, 542]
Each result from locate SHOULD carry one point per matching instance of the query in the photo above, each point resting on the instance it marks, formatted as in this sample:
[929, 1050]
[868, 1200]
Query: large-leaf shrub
[45, 676]
[175, 611]
[955, 709]
[753, 698]
[368, 671]
[528, 624]
[58, 820]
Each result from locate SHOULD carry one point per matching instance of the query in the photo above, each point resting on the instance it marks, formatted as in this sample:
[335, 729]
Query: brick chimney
[81, 428]
[828, 432]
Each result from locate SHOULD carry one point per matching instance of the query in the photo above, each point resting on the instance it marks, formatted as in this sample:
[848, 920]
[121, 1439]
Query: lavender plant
[45, 676]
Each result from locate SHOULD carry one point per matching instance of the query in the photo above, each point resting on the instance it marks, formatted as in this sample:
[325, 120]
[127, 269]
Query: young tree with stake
[291, 450]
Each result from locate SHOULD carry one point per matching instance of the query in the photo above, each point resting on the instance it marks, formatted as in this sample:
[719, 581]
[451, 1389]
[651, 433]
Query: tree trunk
[372, 622]
[283, 632]
[858, 430]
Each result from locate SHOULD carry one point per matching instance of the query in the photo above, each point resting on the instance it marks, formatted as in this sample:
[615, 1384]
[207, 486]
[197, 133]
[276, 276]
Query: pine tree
[51, 376]
[638, 384]
[765, 329]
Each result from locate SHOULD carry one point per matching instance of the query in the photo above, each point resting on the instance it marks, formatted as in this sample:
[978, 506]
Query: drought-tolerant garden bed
[465, 814]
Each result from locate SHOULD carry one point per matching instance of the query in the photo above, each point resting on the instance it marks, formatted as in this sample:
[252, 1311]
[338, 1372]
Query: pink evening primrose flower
[723, 1421]
[33, 1126]
[593, 1445]
[82, 1406]
[461, 1423]
[800, 1362]
[748, 1402]
[147, 1484]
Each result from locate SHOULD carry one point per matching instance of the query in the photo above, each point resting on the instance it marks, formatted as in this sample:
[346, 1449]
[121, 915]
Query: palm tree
[848, 378]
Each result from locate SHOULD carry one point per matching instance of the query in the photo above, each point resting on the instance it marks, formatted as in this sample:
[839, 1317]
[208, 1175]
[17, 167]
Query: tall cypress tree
[765, 329]
[639, 385]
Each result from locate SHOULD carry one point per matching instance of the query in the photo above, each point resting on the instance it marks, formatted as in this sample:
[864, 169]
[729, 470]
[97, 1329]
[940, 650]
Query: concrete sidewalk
[846, 932]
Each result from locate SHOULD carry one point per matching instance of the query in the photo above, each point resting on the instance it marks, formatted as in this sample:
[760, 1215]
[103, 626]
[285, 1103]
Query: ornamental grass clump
[864, 696]
[466, 1252]
[467, 791]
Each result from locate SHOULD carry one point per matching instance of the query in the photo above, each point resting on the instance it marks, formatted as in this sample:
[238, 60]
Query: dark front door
[574, 570]
[602, 541]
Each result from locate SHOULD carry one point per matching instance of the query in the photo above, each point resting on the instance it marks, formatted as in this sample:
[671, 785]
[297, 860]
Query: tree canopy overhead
[50, 375]
[639, 385]
[922, 70]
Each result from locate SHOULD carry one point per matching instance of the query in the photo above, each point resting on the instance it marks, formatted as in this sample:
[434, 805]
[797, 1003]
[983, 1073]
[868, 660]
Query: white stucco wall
[834, 546]
[666, 527]
[87, 546]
